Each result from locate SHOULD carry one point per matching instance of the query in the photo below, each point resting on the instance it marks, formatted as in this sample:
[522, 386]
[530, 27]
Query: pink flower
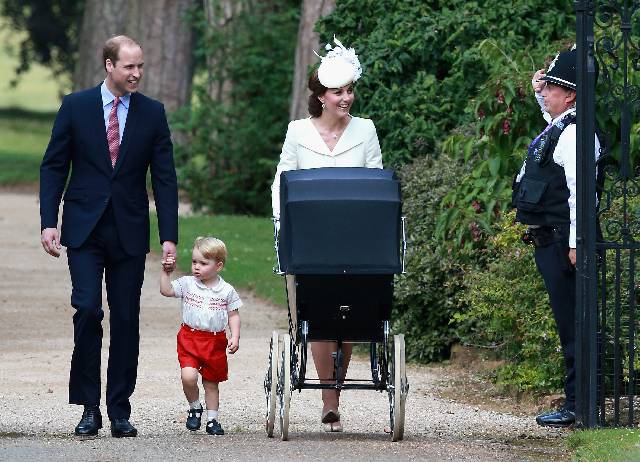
[506, 127]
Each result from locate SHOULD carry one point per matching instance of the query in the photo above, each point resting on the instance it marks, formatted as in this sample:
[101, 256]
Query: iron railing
[608, 233]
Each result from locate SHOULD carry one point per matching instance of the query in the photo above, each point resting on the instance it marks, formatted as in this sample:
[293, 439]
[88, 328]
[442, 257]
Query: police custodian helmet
[562, 70]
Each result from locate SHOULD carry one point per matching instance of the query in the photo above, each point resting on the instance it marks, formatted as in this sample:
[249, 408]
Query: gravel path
[37, 423]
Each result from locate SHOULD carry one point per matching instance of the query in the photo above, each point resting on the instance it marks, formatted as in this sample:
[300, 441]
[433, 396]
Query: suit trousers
[560, 281]
[102, 253]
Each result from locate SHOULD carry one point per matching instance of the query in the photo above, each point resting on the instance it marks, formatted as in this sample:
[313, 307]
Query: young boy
[209, 305]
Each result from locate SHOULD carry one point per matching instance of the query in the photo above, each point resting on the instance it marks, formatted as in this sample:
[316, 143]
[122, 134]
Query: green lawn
[249, 241]
[37, 90]
[24, 138]
[611, 445]
[26, 113]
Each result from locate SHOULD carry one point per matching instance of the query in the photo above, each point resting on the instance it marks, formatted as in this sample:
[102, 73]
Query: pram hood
[340, 220]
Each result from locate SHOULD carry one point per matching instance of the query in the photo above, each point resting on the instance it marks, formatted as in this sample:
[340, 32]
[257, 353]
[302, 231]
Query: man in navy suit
[108, 137]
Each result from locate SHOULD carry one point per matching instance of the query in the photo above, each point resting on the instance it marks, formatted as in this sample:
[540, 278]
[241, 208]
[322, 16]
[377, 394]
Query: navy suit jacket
[79, 143]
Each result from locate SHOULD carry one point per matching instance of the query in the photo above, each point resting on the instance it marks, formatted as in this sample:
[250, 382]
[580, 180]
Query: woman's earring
[323, 107]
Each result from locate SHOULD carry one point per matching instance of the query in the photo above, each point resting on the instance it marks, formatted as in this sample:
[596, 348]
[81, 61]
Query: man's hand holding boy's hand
[233, 344]
[168, 264]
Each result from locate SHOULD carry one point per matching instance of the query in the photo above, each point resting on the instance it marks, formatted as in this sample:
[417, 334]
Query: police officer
[544, 194]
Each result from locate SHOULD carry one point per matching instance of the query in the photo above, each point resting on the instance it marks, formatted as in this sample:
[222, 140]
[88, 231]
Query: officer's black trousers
[560, 280]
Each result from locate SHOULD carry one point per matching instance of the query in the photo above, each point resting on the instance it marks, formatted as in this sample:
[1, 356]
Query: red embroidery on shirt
[218, 304]
[194, 300]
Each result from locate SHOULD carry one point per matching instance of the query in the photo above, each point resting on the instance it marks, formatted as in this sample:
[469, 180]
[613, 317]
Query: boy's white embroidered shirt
[206, 308]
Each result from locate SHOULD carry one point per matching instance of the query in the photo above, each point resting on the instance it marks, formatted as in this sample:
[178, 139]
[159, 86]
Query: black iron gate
[608, 234]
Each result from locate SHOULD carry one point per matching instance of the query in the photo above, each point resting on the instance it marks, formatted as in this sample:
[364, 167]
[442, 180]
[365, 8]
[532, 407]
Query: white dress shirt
[121, 111]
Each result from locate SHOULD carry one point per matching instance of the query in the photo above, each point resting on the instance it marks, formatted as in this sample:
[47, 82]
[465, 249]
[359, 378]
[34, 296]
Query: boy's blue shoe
[214, 428]
[194, 419]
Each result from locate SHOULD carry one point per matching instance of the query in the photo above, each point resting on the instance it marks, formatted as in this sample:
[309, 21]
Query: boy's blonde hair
[211, 248]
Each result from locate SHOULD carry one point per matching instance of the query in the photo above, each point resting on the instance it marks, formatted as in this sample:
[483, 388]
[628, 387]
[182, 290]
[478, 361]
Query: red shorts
[204, 351]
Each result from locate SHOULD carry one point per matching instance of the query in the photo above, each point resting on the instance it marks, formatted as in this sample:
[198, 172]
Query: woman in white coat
[331, 137]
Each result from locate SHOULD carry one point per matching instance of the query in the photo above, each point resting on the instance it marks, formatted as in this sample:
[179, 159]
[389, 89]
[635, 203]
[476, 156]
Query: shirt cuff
[572, 236]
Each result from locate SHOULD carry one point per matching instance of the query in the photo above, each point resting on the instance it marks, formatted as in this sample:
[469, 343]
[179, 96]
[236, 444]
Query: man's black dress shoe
[560, 418]
[90, 423]
[121, 428]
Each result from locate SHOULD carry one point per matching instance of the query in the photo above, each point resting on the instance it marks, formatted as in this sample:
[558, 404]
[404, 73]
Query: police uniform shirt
[565, 156]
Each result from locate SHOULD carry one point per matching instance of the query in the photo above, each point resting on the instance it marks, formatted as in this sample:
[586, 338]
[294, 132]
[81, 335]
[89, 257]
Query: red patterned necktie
[113, 132]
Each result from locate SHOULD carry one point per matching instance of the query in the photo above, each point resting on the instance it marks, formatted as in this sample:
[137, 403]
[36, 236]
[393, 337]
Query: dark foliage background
[424, 61]
[234, 140]
[52, 28]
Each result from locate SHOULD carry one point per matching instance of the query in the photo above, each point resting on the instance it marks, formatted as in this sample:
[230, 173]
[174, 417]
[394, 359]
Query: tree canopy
[52, 29]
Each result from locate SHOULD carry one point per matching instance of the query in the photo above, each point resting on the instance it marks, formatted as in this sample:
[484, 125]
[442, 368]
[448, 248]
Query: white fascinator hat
[339, 67]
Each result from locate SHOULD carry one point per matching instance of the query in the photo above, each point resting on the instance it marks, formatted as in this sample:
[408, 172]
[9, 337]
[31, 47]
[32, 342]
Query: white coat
[304, 148]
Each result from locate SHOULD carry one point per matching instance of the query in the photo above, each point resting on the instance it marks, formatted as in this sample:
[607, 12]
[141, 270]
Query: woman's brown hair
[317, 89]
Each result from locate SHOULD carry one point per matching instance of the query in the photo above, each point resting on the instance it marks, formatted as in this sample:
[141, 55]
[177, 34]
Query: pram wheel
[398, 387]
[284, 385]
[270, 384]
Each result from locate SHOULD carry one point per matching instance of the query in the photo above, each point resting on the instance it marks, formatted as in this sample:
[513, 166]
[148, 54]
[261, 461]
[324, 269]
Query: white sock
[211, 415]
[195, 405]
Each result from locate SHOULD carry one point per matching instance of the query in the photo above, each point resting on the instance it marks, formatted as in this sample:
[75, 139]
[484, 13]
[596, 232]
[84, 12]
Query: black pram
[340, 241]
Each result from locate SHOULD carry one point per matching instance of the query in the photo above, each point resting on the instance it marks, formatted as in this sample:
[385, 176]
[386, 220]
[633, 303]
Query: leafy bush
[506, 118]
[427, 297]
[424, 62]
[509, 312]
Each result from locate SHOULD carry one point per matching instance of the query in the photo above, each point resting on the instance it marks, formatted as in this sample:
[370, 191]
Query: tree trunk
[161, 29]
[168, 48]
[101, 20]
[219, 14]
[308, 40]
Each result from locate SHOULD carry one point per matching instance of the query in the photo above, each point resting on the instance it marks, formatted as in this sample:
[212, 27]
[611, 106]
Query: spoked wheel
[398, 387]
[271, 383]
[284, 385]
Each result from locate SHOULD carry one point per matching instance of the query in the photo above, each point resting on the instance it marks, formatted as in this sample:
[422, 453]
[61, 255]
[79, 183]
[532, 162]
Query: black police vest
[541, 197]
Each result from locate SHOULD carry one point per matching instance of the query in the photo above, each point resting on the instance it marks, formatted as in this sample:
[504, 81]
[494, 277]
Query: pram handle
[276, 240]
[404, 243]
